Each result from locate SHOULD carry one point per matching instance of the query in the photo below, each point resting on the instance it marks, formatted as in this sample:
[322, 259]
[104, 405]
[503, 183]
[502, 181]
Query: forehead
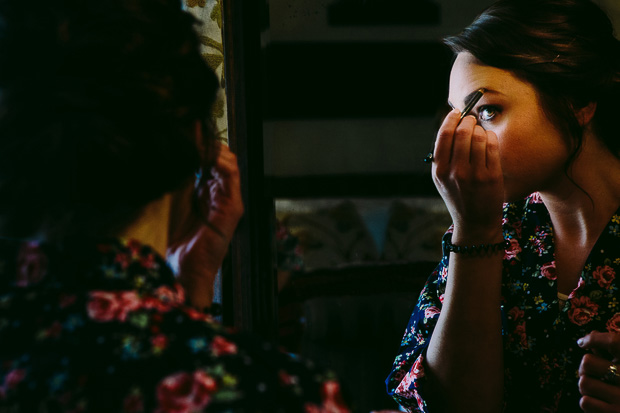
[469, 74]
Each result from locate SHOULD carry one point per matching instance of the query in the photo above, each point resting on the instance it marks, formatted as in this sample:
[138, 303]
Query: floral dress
[105, 328]
[540, 331]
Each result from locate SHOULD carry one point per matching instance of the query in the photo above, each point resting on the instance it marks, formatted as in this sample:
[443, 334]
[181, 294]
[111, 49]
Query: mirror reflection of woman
[104, 109]
[532, 175]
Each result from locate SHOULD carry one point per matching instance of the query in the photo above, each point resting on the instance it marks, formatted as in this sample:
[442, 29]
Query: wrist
[473, 249]
[477, 235]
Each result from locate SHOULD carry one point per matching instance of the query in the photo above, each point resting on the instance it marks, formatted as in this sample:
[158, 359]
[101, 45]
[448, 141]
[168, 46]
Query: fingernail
[580, 342]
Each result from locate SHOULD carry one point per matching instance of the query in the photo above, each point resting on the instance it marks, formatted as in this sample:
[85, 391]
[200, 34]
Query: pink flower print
[156, 304]
[287, 379]
[134, 247]
[159, 342]
[513, 249]
[333, 401]
[128, 301]
[444, 274]
[165, 298]
[604, 275]
[515, 313]
[521, 334]
[548, 271]
[197, 315]
[31, 264]
[108, 306]
[535, 198]
[431, 312]
[417, 370]
[580, 285]
[221, 346]
[123, 259]
[170, 296]
[406, 388]
[185, 392]
[419, 400]
[582, 310]
[103, 306]
[613, 325]
[13, 378]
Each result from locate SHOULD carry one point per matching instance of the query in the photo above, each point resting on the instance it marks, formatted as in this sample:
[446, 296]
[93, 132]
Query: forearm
[198, 290]
[464, 360]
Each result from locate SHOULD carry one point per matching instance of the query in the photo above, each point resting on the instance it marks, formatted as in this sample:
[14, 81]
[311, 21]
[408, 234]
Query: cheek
[515, 146]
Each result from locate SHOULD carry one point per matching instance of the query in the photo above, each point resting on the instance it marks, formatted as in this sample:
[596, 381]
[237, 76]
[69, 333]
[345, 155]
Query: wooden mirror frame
[248, 274]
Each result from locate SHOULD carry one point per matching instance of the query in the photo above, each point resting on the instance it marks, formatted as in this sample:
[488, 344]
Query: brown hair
[566, 49]
[99, 102]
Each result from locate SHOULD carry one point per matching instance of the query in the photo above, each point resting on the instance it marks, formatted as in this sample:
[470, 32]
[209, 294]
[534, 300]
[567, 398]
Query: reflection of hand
[220, 197]
[205, 237]
[598, 386]
[468, 175]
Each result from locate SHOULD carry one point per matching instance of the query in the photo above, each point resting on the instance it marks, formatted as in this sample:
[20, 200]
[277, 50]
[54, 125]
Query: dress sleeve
[407, 380]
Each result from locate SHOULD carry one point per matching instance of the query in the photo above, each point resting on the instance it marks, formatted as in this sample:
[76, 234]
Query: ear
[586, 113]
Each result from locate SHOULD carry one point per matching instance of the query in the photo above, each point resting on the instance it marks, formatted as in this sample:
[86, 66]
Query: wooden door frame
[249, 281]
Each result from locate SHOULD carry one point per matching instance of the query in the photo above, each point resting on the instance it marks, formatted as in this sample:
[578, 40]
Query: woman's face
[533, 153]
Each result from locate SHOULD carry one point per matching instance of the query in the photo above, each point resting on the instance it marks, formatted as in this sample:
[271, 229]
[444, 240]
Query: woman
[101, 136]
[496, 327]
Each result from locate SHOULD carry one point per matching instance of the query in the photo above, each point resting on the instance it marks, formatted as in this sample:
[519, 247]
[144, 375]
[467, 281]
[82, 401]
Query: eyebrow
[470, 96]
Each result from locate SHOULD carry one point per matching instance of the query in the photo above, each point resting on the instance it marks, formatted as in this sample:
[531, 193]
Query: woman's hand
[468, 175]
[200, 242]
[220, 198]
[599, 387]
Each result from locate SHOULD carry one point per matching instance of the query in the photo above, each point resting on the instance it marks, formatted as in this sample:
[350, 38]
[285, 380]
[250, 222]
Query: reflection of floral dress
[541, 357]
[106, 329]
[288, 251]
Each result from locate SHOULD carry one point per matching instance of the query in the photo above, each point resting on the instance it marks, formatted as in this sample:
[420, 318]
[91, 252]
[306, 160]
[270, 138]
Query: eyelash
[491, 108]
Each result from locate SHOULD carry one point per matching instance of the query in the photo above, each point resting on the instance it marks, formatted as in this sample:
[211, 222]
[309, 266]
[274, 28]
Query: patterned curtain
[209, 12]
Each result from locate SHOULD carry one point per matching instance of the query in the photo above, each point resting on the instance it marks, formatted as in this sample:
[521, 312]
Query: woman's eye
[487, 113]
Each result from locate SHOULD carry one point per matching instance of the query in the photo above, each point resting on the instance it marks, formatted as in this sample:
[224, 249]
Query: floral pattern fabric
[540, 332]
[106, 329]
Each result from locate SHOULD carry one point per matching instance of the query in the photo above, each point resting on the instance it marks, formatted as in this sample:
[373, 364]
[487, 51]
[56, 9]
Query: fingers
[445, 137]
[594, 366]
[592, 405]
[472, 192]
[478, 154]
[226, 170]
[598, 395]
[599, 390]
[461, 148]
[461, 143]
[608, 343]
[492, 147]
[226, 162]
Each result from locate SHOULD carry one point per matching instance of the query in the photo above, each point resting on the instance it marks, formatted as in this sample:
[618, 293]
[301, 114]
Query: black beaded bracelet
[480, 249]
